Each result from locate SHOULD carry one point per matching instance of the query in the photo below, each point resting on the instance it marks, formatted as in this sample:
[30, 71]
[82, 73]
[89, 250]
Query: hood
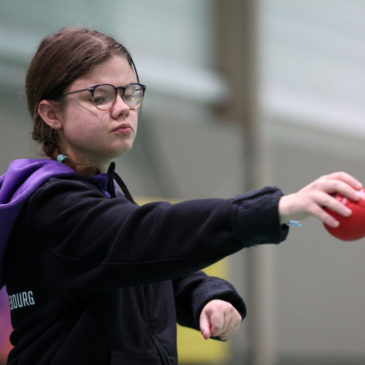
[22, 178]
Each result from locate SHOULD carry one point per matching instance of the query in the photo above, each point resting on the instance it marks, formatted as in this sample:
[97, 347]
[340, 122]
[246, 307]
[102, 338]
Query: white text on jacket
[20, 300]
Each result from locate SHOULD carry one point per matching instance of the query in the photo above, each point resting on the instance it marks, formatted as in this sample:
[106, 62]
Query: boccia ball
[353, 227]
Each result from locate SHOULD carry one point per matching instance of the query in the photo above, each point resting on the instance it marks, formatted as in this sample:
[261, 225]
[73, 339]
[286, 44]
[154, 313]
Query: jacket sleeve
[193, 291]
[92, 243]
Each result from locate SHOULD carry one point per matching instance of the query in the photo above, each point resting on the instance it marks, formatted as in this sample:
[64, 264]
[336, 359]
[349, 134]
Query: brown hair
[60, 59]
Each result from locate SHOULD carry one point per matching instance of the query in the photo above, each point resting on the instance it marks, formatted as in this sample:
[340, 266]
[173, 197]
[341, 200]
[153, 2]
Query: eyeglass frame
[116, 89]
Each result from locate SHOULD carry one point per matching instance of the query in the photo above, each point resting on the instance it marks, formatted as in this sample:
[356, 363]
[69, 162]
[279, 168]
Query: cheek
[81, 128]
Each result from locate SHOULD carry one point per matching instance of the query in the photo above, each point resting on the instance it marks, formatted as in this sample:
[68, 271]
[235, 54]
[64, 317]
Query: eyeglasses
[104, 95]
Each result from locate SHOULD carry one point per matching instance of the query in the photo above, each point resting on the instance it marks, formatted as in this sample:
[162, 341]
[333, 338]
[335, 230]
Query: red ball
[353, 227]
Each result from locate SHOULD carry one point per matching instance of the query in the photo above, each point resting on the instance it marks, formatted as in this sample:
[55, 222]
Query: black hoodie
[93, 278]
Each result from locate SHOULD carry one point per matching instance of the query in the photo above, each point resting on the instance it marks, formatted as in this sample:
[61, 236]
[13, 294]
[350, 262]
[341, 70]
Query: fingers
[205, 325]
[219, 326]
[347, 178]
[318, 195]
[331, 185]
[319, 201]
[327, 201]
[219, 319]
[230, 326]
[339, 182]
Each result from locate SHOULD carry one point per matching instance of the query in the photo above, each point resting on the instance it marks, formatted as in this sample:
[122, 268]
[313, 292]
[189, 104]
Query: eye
[104, 94]
[133, 95]
[99, 99]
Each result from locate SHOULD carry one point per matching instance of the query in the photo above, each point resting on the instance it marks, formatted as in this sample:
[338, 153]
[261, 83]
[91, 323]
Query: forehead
[115, 70]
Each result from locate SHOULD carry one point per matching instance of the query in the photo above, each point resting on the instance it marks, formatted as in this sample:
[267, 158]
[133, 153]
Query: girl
[101, 280]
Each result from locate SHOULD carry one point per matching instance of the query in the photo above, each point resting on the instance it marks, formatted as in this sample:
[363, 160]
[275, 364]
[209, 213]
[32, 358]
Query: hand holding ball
[353, 227]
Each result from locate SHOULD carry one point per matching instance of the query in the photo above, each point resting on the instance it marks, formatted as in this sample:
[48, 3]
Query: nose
[120, 108]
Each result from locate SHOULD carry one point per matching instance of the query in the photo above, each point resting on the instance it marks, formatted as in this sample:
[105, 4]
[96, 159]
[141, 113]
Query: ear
[51, 114]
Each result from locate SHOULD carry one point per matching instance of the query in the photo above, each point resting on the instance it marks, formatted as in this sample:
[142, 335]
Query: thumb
[205, 324]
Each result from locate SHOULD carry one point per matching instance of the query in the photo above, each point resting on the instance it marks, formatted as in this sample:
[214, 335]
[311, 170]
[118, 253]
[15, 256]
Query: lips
[124, 128]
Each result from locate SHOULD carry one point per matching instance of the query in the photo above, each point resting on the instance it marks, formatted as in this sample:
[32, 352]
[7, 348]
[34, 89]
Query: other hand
[219, 319]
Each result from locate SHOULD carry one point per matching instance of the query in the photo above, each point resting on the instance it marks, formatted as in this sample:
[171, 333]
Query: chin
[122, 151]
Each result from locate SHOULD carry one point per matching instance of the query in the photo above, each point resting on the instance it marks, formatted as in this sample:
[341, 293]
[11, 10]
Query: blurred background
[240, 94]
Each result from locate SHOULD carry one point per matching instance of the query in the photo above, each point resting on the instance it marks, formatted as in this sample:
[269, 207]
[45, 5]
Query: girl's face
[89, 134]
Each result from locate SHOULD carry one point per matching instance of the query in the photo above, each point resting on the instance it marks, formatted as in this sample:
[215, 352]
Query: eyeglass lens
[104, 96]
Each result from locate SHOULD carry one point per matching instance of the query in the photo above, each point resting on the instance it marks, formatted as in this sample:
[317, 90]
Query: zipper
[156, 342]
